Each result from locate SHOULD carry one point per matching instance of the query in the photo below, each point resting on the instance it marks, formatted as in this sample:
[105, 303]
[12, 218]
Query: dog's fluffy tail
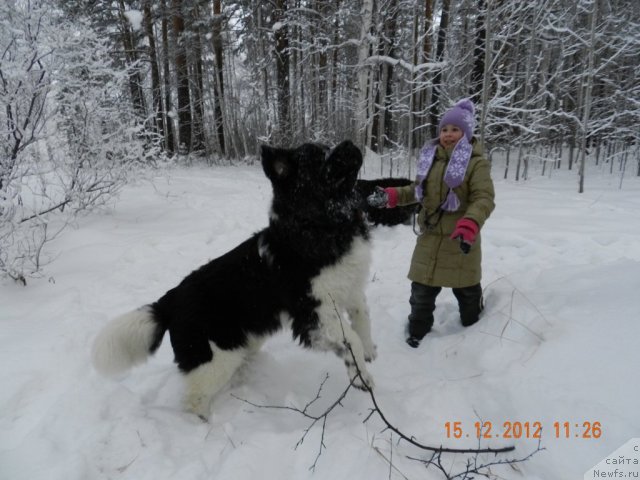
[127, 341]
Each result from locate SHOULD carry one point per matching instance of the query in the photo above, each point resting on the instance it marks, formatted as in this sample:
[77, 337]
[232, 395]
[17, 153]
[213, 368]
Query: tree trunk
[437, 78]
[479, 51]
[525, 99]
[182, 72]
[219, 77]
[282, 73]
[262, 52]
[156, 88]
[135, 79]
[322, 107]
[423, 99]
[392, 32]
[299, 95]
[333, 101]
[364, 72]
[572, 147]
[382, 118]
[587, 96]
[170, 144]
[413, 100]
[197, 86]
[486, 82]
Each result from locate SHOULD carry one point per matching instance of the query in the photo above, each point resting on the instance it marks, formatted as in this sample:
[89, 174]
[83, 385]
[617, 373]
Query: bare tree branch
[322, 417]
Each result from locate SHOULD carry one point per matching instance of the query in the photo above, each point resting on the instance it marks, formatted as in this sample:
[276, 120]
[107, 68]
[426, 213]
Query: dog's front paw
[361, 379]
[370, 352]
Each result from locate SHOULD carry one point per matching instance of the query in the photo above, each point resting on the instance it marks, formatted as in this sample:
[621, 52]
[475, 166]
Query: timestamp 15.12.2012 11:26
[518, 429]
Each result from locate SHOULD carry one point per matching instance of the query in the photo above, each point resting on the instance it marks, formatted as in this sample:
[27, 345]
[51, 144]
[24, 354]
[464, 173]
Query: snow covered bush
[70, 136]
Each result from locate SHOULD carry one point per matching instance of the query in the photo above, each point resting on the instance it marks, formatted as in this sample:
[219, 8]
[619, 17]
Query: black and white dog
[305, 270]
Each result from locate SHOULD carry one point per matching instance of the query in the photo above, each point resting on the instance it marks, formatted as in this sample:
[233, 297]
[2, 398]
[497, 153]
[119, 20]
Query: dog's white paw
[370, 352]
[198, 405]
[362, 380]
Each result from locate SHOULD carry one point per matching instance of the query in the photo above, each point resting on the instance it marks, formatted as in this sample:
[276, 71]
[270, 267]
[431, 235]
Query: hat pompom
[466, 104]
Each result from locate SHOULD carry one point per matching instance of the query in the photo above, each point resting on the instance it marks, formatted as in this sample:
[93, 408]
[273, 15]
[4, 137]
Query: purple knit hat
[460, 115]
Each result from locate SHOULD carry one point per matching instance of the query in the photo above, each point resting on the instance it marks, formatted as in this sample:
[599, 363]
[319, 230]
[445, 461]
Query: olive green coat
[437, 260]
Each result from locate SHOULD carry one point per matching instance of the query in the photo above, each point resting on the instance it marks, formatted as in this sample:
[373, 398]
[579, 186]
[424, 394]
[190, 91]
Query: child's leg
[470, 303]
[423, 303]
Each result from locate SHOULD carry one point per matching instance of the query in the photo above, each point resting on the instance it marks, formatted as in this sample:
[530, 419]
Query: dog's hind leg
[207, 379]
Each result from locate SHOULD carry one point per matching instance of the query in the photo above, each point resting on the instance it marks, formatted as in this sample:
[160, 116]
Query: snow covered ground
[558, 343]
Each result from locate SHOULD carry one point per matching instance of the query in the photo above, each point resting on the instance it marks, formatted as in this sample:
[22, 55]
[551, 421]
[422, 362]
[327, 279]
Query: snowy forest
[93, 92]
[130, 136]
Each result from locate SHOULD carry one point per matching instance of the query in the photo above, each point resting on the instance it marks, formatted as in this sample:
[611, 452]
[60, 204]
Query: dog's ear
[275, 162]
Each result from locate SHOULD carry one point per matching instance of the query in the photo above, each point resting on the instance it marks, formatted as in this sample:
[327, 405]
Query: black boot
[423, 303]
[470, 302]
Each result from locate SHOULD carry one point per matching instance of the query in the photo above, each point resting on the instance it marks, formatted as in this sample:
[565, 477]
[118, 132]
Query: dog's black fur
[308, 267]
[384, 216]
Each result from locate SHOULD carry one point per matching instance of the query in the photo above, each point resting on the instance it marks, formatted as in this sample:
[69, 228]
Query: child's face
[449, 135]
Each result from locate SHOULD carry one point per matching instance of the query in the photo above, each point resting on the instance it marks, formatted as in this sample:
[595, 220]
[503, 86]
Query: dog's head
[312, 176]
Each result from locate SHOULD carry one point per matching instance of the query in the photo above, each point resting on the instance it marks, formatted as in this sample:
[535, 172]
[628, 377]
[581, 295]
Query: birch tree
[588, 88]
[364, 72]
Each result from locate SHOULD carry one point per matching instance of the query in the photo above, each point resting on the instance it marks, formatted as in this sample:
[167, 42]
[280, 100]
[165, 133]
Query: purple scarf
[454, 174]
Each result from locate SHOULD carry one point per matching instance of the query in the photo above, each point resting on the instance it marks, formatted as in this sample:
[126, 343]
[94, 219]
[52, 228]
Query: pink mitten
[392, 195]
[466, 230]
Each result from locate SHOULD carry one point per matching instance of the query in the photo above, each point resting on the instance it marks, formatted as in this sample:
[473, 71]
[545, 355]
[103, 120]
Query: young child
[455, 191]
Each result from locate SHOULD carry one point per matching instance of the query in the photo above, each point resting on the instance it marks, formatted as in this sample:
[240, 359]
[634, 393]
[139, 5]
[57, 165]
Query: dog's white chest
[336, 282]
